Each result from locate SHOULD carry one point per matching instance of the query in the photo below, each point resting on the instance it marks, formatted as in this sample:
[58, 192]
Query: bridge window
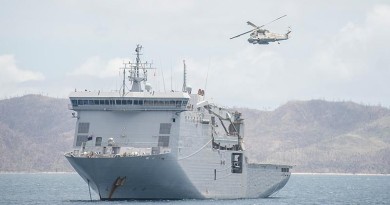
[74, 102]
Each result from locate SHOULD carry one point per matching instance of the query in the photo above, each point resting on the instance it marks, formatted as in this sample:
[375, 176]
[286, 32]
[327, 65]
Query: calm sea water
[69, 188]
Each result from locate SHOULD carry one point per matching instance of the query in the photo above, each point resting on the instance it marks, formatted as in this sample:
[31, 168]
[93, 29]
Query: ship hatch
[237, 162]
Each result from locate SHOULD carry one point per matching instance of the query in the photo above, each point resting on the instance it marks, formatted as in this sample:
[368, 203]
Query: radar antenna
[135, 70]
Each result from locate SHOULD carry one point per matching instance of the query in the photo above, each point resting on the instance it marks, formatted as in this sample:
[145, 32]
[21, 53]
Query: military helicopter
[263, 36]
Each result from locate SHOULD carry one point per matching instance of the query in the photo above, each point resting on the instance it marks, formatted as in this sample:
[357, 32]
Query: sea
[69, 188]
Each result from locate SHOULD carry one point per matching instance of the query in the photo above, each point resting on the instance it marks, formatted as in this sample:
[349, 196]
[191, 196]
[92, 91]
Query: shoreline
[338, 174]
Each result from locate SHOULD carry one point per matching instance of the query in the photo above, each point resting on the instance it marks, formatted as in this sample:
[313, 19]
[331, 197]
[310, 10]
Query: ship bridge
[137, 101]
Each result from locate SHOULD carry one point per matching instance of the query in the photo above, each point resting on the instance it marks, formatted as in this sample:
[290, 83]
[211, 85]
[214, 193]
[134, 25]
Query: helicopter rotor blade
[251, 24]
[242, 34]
[272, 21]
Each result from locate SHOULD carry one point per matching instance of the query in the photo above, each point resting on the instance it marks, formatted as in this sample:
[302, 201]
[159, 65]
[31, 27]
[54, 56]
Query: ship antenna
[134, 68]
[184, 77]
[207, 76]
[124, 81]
[138, 50]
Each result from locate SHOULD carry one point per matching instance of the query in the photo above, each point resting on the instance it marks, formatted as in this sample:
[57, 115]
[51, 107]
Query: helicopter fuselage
[266, 37]
[259, 35]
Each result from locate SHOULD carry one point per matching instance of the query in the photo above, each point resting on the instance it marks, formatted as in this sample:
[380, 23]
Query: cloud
[356, 49]
[95, 67]
[11, 74]
[14, 80]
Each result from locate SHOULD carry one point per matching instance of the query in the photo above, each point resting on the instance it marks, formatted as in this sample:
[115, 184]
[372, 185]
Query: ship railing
[114, 151]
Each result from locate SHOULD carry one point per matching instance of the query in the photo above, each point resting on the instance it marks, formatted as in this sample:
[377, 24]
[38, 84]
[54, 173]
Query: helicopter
[263, 36]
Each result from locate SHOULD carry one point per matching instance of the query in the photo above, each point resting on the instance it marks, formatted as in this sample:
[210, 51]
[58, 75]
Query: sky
[337, 51]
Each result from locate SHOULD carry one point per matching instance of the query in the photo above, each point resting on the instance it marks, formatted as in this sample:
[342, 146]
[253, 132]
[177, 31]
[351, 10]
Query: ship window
[96, 102]
[98, 141]
[83, 127]
[101, 102]
[141, 102]
[106, 102]
[163, 141]
[118, 102]
[129, 102]
[124, 102]
[285, 169]
[135, 102]
[80, 139]
[172, 102]
[148, 102]
[112, 102]
[91, 102]
[236, 162]
[165, 128]
[74, 102]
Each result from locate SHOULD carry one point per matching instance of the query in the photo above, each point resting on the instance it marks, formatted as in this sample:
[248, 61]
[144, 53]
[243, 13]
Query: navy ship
[138, 143]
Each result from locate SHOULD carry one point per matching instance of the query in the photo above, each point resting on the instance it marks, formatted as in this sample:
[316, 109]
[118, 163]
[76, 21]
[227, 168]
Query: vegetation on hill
[321, 136]
[35, 132]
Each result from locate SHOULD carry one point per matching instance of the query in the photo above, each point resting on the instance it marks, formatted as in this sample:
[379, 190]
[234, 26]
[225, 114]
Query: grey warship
[139, 143]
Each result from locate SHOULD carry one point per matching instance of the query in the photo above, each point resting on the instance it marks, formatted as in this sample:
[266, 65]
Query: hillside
[35, 132]
[320, 136]
[315, 136]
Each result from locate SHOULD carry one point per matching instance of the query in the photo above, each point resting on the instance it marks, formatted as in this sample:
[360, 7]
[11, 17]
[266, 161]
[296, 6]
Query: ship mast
[184, 77]
[135, 70]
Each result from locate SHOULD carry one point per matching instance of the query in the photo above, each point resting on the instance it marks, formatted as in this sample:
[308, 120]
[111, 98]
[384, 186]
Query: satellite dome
[148, 87]
[189, 89]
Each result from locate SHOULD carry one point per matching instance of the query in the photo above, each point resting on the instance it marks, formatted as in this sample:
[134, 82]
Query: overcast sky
[338, 50]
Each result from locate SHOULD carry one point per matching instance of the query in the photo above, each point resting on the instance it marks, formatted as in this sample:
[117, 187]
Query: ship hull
[162, 177]
[143, 177]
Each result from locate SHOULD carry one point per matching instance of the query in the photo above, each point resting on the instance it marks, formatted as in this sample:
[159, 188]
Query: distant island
[315, 136]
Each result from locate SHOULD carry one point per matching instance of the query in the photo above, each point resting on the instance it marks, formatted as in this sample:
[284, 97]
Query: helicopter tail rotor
[288, 31]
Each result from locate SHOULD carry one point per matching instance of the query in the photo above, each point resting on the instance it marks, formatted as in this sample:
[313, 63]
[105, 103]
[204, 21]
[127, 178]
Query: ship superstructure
[142, 144]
